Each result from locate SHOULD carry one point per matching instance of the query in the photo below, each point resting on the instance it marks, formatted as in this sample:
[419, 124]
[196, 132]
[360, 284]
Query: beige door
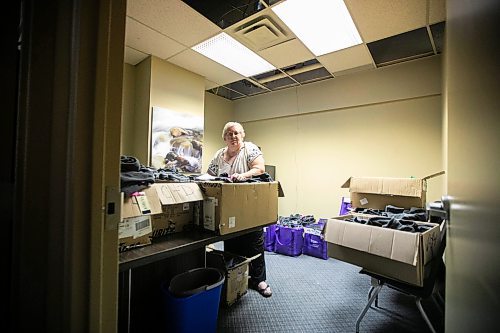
[472, 109]
[64, 253]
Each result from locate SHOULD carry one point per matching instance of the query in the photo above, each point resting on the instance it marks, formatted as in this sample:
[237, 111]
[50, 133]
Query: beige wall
[128, 100]
[385, 122]
[218, 111]
[156, 83]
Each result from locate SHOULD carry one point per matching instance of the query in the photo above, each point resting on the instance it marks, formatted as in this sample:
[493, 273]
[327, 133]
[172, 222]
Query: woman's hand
[238, 177]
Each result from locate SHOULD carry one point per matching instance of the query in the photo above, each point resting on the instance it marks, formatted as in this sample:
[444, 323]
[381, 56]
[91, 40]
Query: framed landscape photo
[176, 140]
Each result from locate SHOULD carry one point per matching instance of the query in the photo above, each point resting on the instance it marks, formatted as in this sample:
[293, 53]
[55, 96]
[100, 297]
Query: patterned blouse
[240, 164]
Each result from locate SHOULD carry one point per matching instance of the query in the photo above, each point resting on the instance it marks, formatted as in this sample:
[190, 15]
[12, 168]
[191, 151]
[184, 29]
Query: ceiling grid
[392, 31]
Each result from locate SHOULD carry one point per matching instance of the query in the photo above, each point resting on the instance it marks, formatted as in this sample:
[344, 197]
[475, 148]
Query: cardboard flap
[174, 193]
[131, 208]
[434, 175]
[347, 183]
[410, 187]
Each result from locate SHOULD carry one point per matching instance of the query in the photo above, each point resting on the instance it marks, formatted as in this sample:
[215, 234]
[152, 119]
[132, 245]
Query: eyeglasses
[232, 133]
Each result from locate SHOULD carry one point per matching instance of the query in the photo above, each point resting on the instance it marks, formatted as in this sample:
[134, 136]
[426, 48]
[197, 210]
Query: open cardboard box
[178, 202]
[231, 207]
[135, 228]
[393, 253]
[236, 272]
[378, 192]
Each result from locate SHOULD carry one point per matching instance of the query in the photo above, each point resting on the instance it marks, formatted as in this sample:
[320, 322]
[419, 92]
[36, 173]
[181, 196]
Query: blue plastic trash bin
[192, 300]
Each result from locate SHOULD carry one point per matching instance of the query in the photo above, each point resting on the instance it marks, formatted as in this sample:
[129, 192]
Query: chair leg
[376, 290]
[421, 309]
[374, 282]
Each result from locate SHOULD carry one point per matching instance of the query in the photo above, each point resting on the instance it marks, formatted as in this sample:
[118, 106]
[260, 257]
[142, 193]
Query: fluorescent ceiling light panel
[230, 53]
[324, 26]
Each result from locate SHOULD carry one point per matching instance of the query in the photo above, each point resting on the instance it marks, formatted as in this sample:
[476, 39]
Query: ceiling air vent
[261, 33]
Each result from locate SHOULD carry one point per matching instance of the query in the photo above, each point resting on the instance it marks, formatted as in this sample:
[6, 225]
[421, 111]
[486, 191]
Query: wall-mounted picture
[176, 140]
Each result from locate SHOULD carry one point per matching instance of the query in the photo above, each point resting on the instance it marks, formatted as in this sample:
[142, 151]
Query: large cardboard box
[177, 202]
[378, 192]
[231, 207]
[396, 254]
[235, 269]
[135, 228]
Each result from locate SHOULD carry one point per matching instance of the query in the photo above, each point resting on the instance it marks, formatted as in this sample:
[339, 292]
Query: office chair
[428, 290]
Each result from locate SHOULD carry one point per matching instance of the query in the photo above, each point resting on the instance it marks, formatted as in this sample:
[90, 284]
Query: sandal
[266, 292]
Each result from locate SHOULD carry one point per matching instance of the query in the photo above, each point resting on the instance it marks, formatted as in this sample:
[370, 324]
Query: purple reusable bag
[314, 242]
[269, 237]
[315, 245]
[289, 241]
[345, 206]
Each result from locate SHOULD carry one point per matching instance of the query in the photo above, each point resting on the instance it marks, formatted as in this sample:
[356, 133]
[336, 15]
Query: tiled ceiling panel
[378, 19]
[140, 37]
[437, 11]
[174, 19]
[352, 57]
[409, 45]
[133, 57]
[284, 54]
[392, 31]
[205, 67]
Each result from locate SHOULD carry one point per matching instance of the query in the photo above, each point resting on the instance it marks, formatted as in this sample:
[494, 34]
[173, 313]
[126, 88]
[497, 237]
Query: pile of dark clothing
[394, 218]
[414, 213]
[135, 177]
[296, 220]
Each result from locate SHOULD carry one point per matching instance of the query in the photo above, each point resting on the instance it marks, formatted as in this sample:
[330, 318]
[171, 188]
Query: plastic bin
[192, 300]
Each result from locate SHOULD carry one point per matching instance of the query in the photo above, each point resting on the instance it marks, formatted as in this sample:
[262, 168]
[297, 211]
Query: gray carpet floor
[316, 295]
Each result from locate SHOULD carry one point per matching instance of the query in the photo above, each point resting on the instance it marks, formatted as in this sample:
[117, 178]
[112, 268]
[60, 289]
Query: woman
[242, 160]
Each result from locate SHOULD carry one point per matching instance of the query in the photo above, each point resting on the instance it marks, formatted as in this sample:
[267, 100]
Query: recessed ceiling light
[324, 26]
[230, 53]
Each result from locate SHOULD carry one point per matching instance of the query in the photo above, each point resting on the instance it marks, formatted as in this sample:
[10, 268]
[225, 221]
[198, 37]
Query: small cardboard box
[378, 192]
[135, 228]
[236, 271]
[231, 207]
[177, 207]
[393, 253]
[134, 232]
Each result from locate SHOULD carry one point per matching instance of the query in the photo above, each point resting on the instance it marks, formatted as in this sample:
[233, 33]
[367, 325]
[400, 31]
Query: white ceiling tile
[378, 19]
[437, 11]
[356, 56]
[199, 64]
[287, 53]
[140, 37]
[133, 57]
[174, 19]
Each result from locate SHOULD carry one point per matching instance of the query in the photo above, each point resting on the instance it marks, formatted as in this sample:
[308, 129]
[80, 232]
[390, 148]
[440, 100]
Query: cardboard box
[177, 202]
[396, 254]
[236, 272]
[135, 228]
[134, 232]
[378, 192]
[174, 218]
[231, 207]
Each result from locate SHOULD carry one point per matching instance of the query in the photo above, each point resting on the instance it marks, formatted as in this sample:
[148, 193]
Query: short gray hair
[233, 124]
